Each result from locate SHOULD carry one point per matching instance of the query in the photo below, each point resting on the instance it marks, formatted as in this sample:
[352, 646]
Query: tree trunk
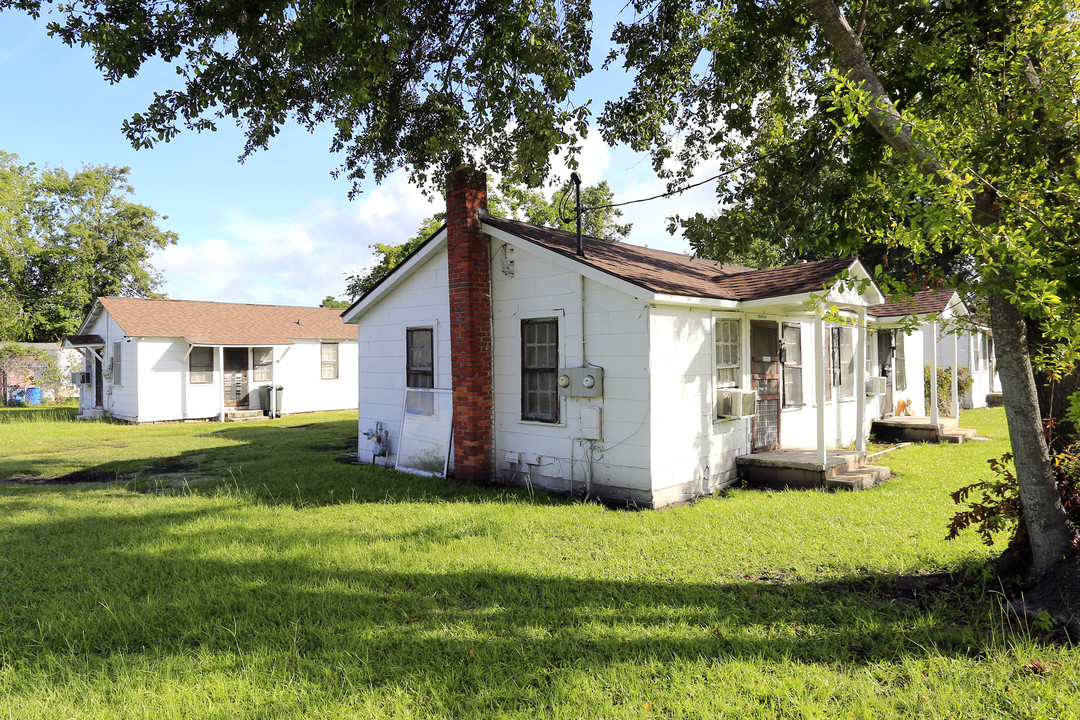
[1050, 531]
[1049, 528]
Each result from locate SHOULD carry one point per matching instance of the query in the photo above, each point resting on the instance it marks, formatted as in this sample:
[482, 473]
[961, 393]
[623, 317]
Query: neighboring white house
[633, 374]
[148, 360]
[28, 372]
[960, 340]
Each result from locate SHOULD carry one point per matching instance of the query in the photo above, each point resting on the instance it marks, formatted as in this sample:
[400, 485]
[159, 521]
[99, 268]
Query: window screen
[117, 366]
[728, 357]
[419, 358]
[842, 361]
[262, 361]
[539, 368]
[419, 370]
[793, 372]
[899, 363]
[329, 361]
[201, 365]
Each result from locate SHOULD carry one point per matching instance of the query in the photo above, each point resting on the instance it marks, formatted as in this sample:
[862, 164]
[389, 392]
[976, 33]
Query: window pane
[420, 358]
[792, 365]
[201, 365]
[900, 363]
[329, 361]
[261, 360]
[728, 357]
[847, 364]
[539, 367]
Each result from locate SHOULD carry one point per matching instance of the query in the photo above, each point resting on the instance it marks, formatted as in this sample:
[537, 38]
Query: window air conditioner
[875, 386]
[80, 378]
[736, 403]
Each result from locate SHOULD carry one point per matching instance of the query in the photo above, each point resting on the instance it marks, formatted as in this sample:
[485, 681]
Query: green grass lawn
[241, 571]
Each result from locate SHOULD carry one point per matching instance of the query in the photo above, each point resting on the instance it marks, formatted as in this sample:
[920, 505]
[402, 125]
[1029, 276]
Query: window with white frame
[899, 364]
[117, 365]
[539, 369]
[727, 333]
[329, 356]
[419, 370]
[792, 358]
[201, 366]
[843, 362]
[262, 364]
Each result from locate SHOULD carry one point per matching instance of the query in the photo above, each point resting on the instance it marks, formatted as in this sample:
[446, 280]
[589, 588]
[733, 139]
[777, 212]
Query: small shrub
[964, 381]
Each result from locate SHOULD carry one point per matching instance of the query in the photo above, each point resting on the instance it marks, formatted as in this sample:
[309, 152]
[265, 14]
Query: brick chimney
[470, 326]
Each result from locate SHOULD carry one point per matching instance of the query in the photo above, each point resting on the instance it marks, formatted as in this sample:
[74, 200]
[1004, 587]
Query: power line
[679, 191]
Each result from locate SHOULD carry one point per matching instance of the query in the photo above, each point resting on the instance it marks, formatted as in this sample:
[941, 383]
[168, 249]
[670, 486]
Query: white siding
[422, 300]
[616, 333]
[164, 390]
[298, 370]
[121, 401]
[692, 451]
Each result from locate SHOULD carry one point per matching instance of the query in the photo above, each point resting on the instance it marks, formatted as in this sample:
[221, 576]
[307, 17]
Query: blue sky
[277, 228]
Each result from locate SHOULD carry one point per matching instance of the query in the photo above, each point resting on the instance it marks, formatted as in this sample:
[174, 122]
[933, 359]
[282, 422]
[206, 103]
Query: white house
[949, 337]
[148, 360]
[632, 374]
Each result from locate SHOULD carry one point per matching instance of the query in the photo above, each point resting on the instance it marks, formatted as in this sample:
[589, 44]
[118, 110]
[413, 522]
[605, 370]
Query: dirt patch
[162, 470]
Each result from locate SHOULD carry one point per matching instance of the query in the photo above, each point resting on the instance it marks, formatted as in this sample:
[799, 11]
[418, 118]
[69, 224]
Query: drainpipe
[819, 385]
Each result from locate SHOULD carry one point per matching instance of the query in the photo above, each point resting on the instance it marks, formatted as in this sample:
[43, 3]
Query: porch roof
[922, 302]
[77, 341]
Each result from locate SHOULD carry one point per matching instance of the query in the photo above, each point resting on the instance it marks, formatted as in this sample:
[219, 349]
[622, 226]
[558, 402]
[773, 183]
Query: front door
[765, 376]
[98, 385]
[236, 377]
[886, 351]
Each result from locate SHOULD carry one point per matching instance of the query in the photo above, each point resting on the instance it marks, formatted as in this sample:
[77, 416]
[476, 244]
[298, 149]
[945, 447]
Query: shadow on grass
[173, 584]
[274, 462]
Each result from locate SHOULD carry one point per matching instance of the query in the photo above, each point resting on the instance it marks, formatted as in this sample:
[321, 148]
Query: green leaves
[420, 84]
[66, 239]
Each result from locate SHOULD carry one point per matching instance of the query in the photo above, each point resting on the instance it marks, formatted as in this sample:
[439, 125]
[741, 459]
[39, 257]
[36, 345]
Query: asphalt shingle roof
[675, 274]
[922, 302]
[217, 323]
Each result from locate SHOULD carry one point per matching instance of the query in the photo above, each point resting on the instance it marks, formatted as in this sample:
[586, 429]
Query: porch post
[860, 380]
[221, 382]
[819, 385]
[933, 372]
[954, 407]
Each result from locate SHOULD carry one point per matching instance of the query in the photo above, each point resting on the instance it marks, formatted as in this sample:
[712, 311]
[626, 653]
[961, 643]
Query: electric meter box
[581, 382]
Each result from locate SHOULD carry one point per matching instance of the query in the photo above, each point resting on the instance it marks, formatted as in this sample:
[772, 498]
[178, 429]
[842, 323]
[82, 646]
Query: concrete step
[244, 415]
[862, 478]
[956, 435]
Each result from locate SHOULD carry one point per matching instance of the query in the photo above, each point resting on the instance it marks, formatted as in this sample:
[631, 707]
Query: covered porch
[91, 380]
[802, 468]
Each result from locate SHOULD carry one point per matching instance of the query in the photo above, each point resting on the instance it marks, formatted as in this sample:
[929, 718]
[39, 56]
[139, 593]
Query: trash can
[264, 399]
[33, 396]
[277, 398]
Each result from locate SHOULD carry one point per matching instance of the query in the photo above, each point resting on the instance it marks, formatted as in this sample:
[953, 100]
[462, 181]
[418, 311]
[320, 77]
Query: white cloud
[298, 260]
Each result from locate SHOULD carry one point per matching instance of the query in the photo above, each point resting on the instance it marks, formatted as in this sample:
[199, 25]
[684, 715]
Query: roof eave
[695, 301]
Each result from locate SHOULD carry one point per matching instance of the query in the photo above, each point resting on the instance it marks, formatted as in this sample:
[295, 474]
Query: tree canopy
[66, 239]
